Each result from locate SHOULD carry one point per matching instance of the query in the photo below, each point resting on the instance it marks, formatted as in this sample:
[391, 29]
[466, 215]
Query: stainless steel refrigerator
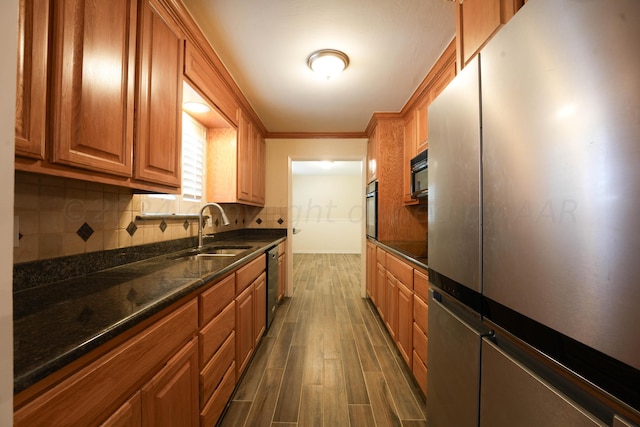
[534, 224]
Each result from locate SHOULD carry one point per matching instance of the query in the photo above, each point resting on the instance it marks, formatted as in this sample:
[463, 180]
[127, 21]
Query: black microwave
[419, 175]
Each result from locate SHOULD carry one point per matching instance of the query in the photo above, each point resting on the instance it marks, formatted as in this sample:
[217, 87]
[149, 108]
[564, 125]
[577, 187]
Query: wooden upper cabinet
[31, 83]
[258, 172]
[206, 78]
[159, 104]
[93, 84]
[477, 21]
[245, 142]
[236, 164]
[416, 130]
[372, 157]
[409, 153]
[422, 125]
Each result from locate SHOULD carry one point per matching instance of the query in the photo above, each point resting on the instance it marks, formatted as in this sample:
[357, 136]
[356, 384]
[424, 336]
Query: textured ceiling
[265, 44]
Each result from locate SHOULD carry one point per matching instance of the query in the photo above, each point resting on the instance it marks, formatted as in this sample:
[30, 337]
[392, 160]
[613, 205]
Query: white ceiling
[265, 44]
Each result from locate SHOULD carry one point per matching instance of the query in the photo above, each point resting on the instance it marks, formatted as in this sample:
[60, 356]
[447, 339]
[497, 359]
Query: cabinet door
[381, 293]
[260, 307]
[245, 128]
[31, 83]
[93, 83]
[244, 329]
[258, 170]
[477, 21]
[171, 397]
[409, 153]
[405, 322]
[391, 317]
[422, 125]
[128, 415]
[158, 121]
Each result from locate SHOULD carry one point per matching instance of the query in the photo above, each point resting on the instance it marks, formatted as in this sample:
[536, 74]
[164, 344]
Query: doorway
[327, 210]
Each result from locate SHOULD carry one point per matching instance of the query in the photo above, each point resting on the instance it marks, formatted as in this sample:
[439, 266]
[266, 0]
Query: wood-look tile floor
[327, 359]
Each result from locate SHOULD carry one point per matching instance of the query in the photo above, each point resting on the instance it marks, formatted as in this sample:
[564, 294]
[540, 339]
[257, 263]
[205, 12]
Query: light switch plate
[16, 231]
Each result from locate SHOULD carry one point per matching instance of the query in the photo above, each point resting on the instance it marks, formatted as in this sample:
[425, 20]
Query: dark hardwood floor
[327, 359]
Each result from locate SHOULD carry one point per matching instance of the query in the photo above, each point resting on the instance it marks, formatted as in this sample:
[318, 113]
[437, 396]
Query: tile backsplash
[60, 217]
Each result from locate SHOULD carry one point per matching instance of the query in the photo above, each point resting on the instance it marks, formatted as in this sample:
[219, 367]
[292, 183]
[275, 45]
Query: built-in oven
[372, 209]
[420, 175]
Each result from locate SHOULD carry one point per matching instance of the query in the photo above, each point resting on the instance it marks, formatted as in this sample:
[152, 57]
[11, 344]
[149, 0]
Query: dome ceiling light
[196, 107]
[328, 63]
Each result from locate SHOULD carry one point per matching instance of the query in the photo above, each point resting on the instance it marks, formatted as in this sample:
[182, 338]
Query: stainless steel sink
[213, 252]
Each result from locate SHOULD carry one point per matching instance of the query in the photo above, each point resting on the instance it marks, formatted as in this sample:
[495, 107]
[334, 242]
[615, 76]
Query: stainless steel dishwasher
[272, 283]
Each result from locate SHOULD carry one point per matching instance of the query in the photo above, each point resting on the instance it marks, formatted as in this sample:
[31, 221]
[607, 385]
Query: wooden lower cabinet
[244, 329]
[420, 373]
[171, 397]
[213, 409]
[401, 291]
[391, 312]
[98, 390]
[381, 290]
[179, 371]
[405, 322]
[420, 327]
[128, 415]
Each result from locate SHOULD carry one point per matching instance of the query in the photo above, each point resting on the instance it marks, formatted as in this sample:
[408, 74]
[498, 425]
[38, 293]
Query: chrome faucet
[225, 220]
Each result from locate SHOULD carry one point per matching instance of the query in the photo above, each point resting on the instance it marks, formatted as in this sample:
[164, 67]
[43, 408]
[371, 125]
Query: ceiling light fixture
[328, 63]
[196, 107]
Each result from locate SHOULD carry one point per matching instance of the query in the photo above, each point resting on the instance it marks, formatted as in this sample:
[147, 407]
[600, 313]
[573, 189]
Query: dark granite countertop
[56, 323]
[413, 251]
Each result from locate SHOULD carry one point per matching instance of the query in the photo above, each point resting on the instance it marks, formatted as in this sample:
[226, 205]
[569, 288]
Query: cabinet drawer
[83, 398]
[381, 256]
[401, 270]
[216, 332]
[421, 285]
[214, 300]
[212, 374]
[247, 274]
[420, 343]
[213, 408]
[421, 314]
[420, 373]
[282, 248]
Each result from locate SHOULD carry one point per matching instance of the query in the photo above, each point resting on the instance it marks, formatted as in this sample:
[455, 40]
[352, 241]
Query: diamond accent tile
[19, 236]
[280, 221]
[163, 226]
[85, 231]
[131, 228]
[185, 224]
[259, 221]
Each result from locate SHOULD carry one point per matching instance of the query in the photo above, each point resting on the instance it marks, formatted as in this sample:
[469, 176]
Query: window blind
[193, 137]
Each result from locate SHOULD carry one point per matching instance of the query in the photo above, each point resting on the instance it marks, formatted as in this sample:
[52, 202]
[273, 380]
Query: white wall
[279, 155]
[8, 40]
[328, 211]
